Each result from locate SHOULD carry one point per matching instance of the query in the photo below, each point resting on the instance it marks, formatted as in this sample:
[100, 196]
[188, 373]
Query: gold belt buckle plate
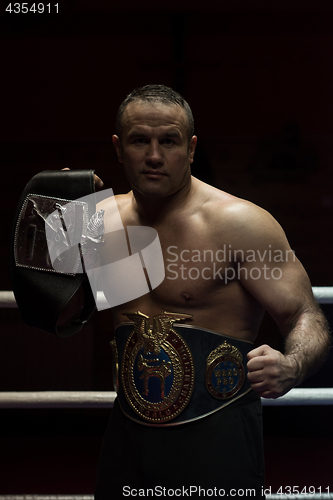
[157, 370]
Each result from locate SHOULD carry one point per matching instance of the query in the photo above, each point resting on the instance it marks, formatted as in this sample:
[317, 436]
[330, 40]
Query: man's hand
[98, 181]
[271, 373]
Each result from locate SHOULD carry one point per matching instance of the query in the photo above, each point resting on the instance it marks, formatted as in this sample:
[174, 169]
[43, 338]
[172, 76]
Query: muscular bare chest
[200, 278]
[196, 266]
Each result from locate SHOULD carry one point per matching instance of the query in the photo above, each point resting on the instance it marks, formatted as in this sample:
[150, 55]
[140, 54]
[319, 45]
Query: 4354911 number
[299, 490]
[35, 8]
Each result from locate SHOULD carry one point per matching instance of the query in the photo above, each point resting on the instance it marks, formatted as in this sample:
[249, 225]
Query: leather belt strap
[41, 296]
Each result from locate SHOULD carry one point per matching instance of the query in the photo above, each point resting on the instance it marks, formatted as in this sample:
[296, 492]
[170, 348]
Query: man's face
[154, 148]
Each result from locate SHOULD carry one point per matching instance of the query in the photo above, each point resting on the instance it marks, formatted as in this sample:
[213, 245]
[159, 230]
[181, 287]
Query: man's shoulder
[220, 204]
[239, 216]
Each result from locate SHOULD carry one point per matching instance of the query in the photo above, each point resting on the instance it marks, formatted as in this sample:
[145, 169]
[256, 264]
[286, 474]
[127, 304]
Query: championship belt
[170, 374]
[42, 287]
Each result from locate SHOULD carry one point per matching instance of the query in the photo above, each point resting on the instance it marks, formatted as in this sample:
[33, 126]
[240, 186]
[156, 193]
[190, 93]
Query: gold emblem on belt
[157, 371]
[224, 371]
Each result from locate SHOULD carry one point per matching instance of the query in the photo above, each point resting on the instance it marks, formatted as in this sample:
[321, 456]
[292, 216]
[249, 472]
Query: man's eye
[168, 141]
[140, 140]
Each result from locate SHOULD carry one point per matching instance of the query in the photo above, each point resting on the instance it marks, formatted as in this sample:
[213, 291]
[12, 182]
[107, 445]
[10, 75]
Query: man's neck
[152, 210]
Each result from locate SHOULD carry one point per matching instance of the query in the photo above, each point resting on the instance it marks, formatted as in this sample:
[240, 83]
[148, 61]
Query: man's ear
[117, 145]
[192, 145]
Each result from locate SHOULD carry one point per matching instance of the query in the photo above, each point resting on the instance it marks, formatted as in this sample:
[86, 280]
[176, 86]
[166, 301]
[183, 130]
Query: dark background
[259, 78]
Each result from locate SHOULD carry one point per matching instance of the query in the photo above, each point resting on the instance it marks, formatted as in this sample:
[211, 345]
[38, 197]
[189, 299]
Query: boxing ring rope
[86, 400]
[322, 294]
[7, 300]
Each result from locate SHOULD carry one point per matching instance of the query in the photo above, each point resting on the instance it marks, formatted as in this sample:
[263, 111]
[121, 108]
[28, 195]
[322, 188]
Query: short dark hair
[155, 93]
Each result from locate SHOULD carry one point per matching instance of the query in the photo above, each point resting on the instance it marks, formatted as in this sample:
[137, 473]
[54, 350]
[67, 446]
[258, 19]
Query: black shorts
[222, 453]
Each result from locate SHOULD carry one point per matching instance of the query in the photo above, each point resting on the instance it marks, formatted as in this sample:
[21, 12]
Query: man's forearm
[308, 343]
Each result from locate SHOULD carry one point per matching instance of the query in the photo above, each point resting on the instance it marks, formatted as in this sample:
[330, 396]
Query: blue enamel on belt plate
[225, 373]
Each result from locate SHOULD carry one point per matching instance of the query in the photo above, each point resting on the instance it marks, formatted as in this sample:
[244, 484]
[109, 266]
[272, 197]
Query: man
[226, 262]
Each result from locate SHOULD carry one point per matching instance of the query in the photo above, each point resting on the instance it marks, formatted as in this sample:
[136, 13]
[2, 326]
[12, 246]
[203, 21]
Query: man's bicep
[270, 270]
[282, 288]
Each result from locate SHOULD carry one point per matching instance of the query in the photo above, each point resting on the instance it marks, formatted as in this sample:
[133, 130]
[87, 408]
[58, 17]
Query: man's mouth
[153, 174]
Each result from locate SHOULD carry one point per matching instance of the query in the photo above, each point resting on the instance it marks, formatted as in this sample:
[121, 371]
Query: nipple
[187, 296]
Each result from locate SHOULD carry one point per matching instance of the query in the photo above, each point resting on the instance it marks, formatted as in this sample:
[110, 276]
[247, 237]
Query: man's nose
[154, 153]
